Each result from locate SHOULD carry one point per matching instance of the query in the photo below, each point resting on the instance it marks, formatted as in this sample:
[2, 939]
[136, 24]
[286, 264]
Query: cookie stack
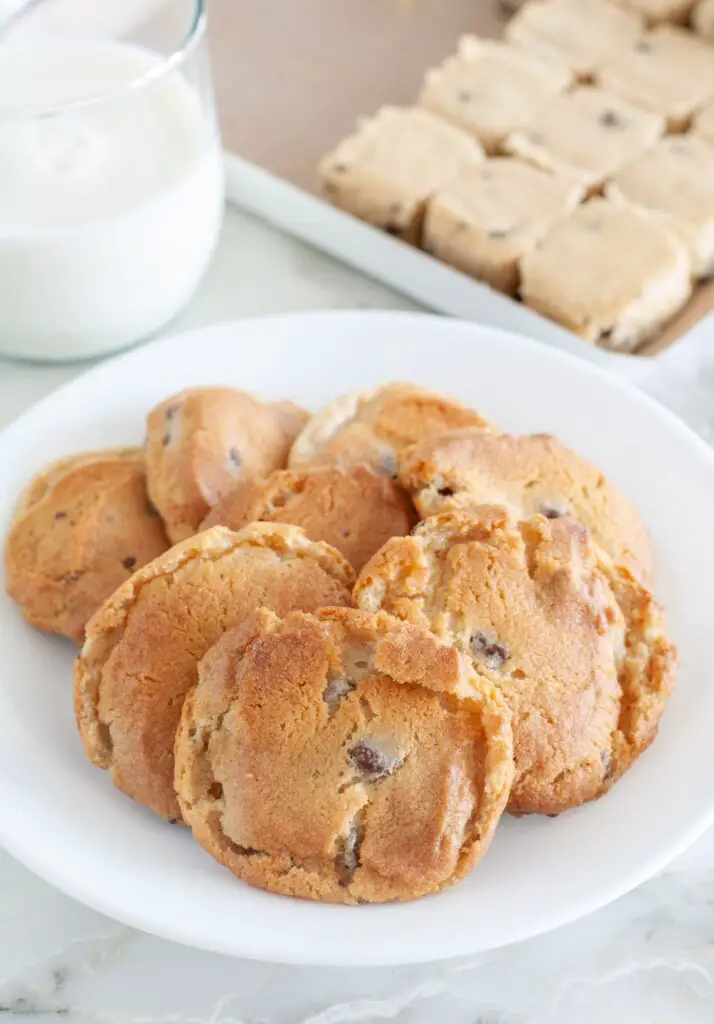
[570, 165]
[376, 631]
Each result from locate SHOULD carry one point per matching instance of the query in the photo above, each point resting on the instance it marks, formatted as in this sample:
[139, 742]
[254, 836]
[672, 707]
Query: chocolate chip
[445, 492]
[348, 850]
[372, 760]
[488, 651]
[392, 229]
[345, 533]
[171, 410]
[610, 119]
[554, 511]
[234, 456]
[465, 96]
[129, 562]
[642, 46]
[166, 439]
[72, 577]
[215, 791]
[60, 515]
[151, 512]
[388, 464]
[336, 691]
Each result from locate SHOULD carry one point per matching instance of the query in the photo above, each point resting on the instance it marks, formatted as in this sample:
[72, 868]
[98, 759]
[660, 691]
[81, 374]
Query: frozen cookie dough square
[490, 216]
[578, 34]
[674, 182]
[491, 88]
[703, 124]
[668, 71]
[611, 275]
[656, 12]
[587, 135]
[703, 19]
[386, 171]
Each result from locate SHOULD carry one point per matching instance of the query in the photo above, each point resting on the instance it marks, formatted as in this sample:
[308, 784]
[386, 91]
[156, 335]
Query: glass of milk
[111, 185]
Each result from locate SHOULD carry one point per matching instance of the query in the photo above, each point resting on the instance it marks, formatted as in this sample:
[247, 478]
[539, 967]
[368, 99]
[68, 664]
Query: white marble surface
[647, 959]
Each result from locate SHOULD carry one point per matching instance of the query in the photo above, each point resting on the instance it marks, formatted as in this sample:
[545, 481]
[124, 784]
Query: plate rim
[180, 931]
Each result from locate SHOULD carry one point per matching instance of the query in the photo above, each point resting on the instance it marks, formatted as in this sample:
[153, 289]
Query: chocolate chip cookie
[531, 473]
[342, 757]
[81, 528]
[201, 442]
[142, 648]
[354, 510]
[576, 645]
[369, 427]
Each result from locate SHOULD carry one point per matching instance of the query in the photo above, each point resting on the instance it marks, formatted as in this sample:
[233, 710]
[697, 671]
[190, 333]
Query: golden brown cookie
[576, 645]
[530, 473]
[141, 652]
[369, 427]
[354, 510]
[80, 529]
[343, 757]
[201, 442]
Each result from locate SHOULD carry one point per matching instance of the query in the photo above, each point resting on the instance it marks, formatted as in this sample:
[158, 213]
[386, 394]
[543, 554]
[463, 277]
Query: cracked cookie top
[80, 529]
[342, 756]
[142, 648]
[534, 473]
[369, 427]
[201, 442]
[576, 644]
[353, 509]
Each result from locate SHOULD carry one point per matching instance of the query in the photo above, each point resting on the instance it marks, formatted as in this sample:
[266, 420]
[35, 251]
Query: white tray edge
[394, 263]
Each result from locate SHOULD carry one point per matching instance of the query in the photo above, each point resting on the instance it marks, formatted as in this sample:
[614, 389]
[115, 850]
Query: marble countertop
[646, 959]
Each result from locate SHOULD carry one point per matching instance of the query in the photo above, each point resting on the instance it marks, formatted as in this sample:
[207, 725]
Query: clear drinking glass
[111, 184]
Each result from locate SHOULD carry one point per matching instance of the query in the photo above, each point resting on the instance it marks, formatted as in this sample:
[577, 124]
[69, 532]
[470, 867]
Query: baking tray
[293, 76]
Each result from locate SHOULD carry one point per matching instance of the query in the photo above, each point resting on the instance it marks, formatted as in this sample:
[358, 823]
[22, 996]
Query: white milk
[109, 211]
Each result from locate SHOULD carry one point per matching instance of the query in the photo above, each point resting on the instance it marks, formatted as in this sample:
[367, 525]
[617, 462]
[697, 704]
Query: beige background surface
[293, 76]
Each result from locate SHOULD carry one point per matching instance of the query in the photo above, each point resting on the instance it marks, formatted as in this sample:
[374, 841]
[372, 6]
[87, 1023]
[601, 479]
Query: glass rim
[178, 55]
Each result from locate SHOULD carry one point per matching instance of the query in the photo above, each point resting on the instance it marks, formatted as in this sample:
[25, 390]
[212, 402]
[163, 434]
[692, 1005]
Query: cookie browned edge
[398, 661]
[107, 625]
[646, 670]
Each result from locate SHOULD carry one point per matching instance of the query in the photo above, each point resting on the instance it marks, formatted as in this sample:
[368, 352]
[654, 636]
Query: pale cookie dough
[80, 529]
[491, 88]
[577, 34]
[674, 182]
[703, 124]
[142, 649]
[529, 474]
[586, 135]
[490, 216]
[576, 645]
[703, 19]
[656, 12]
[343, 757]
[668, 71]
[387, 170]
[354, 510]
[201, 442]
[369, 427]
[609, 274]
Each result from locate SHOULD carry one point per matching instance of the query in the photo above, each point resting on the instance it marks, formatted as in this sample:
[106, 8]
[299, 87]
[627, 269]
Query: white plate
[61, 817]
